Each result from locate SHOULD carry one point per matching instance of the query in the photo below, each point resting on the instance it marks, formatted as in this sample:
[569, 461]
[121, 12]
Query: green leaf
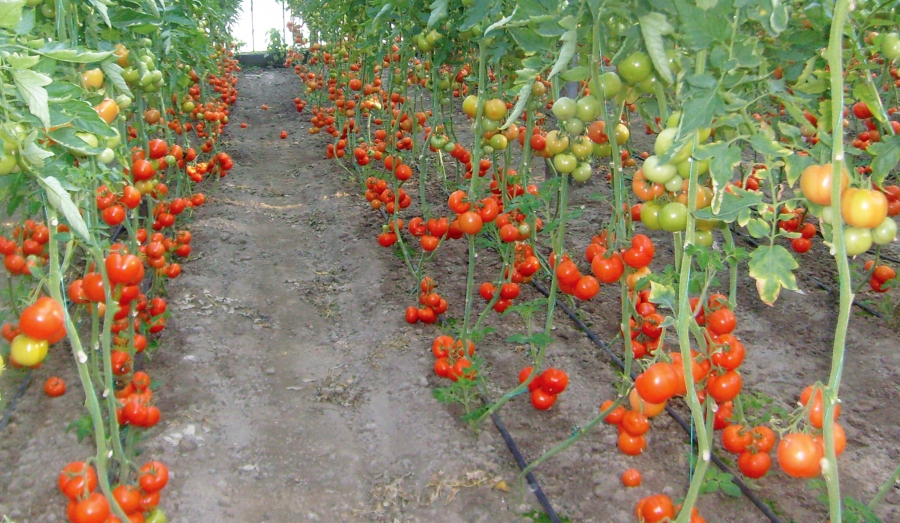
[31, 86]
[706, 4]
[113, 73]
[524, 95]
[654, 26]
[62, 201]
[66, 137]
[475, 14]
[438, 12]
[576, 74]
[23, 62]
[76, 55]
[732, 205]
[699, 110]
[384, 10]
[529, 40]
[772, 267]
[100, 6]
[865, 92]
[663, 295]
[85, 118]
[34, 154]
[758, 228]
[794, 166]
[721, 169]
[26, 23]
[768, 147]
[886, 155]
[729, 488]
[10, 13]
[499, 24]
[569, 41]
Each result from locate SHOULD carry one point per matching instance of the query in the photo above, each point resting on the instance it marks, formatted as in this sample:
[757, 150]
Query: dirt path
[307, 397]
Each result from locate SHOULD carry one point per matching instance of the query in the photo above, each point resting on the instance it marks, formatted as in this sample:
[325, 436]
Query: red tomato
[799, 455]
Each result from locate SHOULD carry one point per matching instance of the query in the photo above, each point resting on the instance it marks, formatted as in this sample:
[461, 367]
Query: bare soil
[293, 390]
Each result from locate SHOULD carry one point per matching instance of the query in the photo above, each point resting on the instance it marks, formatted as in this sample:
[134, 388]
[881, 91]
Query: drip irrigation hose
[520, 459]
[514, 449]
[765, 509]
[12, 404]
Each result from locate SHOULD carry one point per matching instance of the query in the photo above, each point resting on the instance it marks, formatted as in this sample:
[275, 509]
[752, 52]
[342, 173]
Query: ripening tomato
[43, 319]
[722, 321]
[724, 387]
[631, 445]
[799, 455]
[154, 476]
[77, 479]
[631, 478]
[736, 438]
[815, 183]
[554, 381]
[658, 383]
[54, 387]
[28, 352]
[470, 222]
[542, 400]
[92, 509]
[654, 509]
[635, 423]
[863, 208]
[616, 415]
[754, 464]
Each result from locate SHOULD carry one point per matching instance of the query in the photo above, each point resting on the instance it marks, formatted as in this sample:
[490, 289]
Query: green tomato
[124, 102]
[635, 68]
[674, 59]
[565, 163]
[582, 173]
[28, 351]
[602, 150]
[657, 173]
[449, 147]
[489, 125]
[564, 108]
[675, 184]
[885, 232]
[857, 240]
[622, 134]
[704, 238]
[666, 140]
[107, 156]
[587, 109]
[438, 141]
[499, 142]
[648, 85]
[890, 46]
[581, 147]
[156, 516]
[131, 75]
[611, 84]
[673, 119]
[8, 163]
[673, 217]
[684, 168]
[574, 126]
[115, 141]
[650, 215]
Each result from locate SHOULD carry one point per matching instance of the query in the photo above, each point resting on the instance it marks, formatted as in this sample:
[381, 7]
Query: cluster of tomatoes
[378, 193]
[136, 399]
[40, 325]
[452, 361]
[545, 387]
[27, 248]
[800, 451]
[431, 304]
[863, 209]
[78, 482]
[881, 276]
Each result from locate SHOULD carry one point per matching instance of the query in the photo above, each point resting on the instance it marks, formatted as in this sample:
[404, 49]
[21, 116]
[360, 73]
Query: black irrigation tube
[765, 509]
[12, 404]
[520, 459]
[517, 454]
